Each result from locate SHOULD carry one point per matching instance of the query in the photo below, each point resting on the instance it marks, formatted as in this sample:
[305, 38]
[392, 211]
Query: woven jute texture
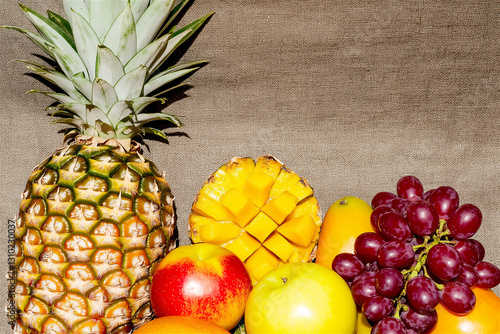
[351, 95]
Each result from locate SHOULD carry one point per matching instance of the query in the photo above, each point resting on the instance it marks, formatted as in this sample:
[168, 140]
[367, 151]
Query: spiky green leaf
[94, 114]
[67, 62]
[61, 22]
[119, 111]
[150, 23]
[161, 80]
[37, 39]
[86, 42]
[155, 132]
[138, 8]
[140, 103]
[79, 6]
[108, 66]
[148, 55]
[58, 79]
[130, 86]
[151, 117]
[172, 15]
[103, 95]
[103, 13]
[83, 85]
[50, 31]
[121, 37]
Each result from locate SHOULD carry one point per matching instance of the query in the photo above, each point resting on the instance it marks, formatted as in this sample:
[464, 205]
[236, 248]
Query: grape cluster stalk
[420, 254]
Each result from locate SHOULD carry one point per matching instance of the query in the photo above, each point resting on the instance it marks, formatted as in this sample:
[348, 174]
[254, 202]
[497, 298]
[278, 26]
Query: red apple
[203, 281]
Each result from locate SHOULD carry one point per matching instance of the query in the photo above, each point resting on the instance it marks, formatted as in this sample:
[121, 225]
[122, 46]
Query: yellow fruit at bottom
[261, 211]
[363, 326]
[347, 218]
[484, 318]
[180, 325]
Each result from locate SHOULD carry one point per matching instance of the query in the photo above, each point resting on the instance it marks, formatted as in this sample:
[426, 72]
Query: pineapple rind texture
[91, 229]
[261, 211]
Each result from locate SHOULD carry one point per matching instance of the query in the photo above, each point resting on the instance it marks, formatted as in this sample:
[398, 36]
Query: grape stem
[429, 241]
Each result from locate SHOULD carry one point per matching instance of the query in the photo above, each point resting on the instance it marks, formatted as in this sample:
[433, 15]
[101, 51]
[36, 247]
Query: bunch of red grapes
[420, 254]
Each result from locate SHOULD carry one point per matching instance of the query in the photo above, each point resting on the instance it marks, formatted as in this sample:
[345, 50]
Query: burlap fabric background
[352, 95]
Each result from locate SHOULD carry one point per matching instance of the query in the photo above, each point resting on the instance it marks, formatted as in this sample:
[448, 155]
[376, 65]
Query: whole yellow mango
[347, 218]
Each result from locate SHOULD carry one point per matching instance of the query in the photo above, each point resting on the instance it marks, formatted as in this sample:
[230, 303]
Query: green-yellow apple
[301, 298]
[203, 281]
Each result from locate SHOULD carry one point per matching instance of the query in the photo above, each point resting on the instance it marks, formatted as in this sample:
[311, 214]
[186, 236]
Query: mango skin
[346, 218]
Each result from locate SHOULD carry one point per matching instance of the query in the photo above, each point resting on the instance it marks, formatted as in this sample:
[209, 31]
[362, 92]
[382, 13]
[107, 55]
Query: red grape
[347, 266]
[445, 201]
[422, 294]
[488, 275]
[427, 194]
[400, 205]
[480, 248]
[389, 326]
[382, 198]
[444, 262]
[377, 308]
[468, 251]
[395, 254]
[422, 218]
[367, 245]
[410, 187]
[393, 226]
[468, 276]
[419, 322]
[389, 282]
[465, 221]
[376, 213]
[363, 290]
[458, 298]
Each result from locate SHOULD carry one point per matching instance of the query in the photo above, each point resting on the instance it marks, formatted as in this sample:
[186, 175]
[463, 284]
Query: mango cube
[261, 226]
[301, 189]
[279, 246]
[238, 170]
[269, 165]
[243, 246]
[280, 207]
[261, 262]
[209, 207]
[240, 206]
[257, 187]
[219, 231]
[283, 181]
[308, 206]
[300, 230]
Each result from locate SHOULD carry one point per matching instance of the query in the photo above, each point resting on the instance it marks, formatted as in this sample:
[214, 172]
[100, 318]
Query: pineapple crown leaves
[113, 60]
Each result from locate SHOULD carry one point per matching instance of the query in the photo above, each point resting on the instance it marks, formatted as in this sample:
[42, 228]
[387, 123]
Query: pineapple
[261, 211]
[97, 217]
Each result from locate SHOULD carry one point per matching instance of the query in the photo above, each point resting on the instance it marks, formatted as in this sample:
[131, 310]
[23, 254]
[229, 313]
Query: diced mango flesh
[279, 207]
[261, 226]
[257, 187]
[219, 231]
[209, 207]
[241, 208]
[300, 230]
[261, 262]
[279, 246]
[301, 189]
[243, 246]
[261, 211]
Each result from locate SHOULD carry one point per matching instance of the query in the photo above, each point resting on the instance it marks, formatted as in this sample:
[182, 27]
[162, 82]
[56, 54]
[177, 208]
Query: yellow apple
[301, 298]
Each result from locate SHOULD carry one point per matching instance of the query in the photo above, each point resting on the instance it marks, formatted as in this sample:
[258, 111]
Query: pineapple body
[261, 211]
[94, 221]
